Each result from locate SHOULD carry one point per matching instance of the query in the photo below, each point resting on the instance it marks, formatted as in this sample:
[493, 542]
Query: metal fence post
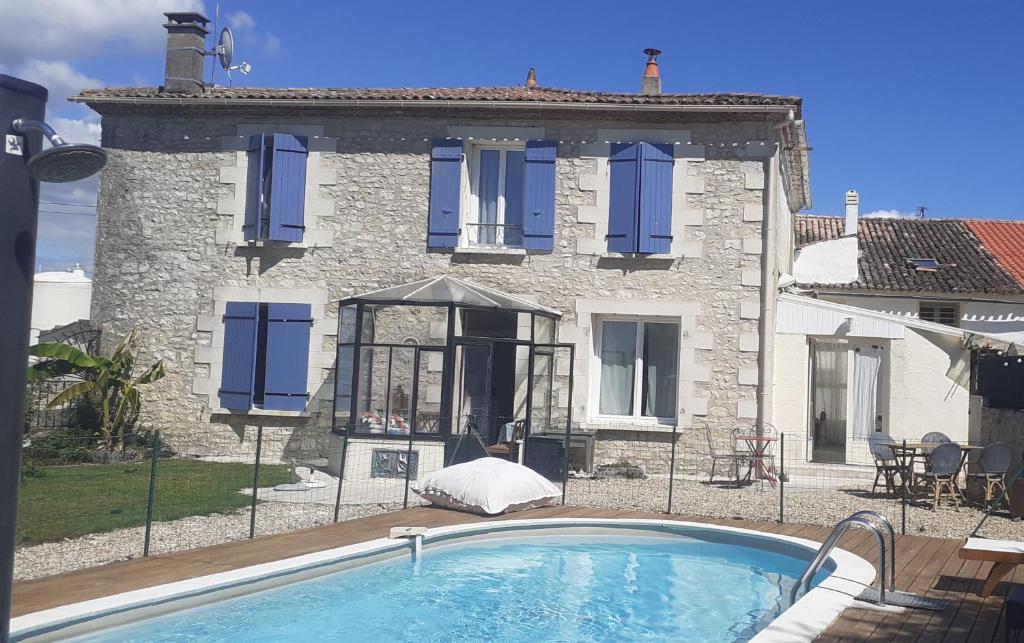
[341, 470]
[408, 470]
[672, 468]
[903, 490]
[782, 477]
[255, 482]
[154, 453]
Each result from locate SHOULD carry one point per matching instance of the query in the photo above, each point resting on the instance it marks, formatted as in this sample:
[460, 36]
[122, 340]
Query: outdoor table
[906, 453]
[758, 445]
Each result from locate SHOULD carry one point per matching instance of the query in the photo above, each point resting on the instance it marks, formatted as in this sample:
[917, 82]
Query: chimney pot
[531, 78]
[852, 212]
[650, 85]
[186, 51]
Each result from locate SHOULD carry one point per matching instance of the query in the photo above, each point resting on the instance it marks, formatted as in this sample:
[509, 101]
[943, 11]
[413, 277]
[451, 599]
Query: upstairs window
[276, 188]
[924, 265]
[948, 314]
[497, 180]
[266, 356]
[640, 201]
[511, 194]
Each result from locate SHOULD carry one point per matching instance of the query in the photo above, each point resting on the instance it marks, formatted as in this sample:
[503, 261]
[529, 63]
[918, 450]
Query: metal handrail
[892, 542]
[860, 519]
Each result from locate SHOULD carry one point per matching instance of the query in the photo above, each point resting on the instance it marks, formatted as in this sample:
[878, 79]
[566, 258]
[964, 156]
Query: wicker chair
[886, 466]
[994, 463]
[945, 466]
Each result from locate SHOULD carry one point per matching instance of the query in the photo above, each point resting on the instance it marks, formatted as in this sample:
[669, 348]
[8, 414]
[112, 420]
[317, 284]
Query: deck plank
[924, 565]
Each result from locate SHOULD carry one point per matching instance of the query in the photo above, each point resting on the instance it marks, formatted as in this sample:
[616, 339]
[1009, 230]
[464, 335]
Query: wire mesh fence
[82, 504]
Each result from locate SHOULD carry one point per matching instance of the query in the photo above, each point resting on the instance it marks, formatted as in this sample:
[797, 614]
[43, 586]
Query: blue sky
[911, 103]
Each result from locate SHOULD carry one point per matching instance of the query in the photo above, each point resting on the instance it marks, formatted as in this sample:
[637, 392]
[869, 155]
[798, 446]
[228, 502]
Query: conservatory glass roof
[445, 290]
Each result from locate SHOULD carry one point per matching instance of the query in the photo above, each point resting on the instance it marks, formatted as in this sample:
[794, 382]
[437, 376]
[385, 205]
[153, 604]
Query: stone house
[231, 222]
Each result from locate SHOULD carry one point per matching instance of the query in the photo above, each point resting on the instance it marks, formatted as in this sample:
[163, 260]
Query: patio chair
[731, 457]
[886, 466]
[945, 466]
[507, 450]
[935, 437]
[994, 462]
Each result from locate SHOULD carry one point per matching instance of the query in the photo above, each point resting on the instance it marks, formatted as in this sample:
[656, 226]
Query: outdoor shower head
[63, 162]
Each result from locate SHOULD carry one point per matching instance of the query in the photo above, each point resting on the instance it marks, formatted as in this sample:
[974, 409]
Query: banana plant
[109, 380]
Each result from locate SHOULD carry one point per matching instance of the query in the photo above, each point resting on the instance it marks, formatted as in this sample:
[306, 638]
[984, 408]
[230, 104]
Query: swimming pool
[566, 580]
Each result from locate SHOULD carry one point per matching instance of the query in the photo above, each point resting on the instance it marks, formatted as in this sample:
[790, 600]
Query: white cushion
[488, 486]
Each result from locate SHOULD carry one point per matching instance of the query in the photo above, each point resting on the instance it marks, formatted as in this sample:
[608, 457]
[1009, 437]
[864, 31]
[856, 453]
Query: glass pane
[540, 416]
[472, 394]
[413, 325]
[660, 369]
[618, 361]
[487, 191]
[489, 323]
[543, 330]
[514, 171]
[400, 391]
[373, 382]
[829, 401]
[347, 325]
[343, 386]
[428, 395]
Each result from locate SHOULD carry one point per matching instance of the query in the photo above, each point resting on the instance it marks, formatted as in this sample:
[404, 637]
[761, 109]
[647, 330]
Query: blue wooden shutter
[655, 221]
[623, 200]
[539, 195]
[239, 355]
[288, 188]
[288, 328]
[445, 189]
[254, 188]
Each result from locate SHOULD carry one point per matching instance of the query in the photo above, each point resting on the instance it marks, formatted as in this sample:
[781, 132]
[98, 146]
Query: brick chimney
[651, 83]
[531, 78]
[852, 212]
[186, 49]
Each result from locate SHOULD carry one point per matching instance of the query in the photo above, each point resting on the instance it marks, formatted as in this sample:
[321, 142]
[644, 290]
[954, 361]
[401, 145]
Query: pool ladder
[870, 520]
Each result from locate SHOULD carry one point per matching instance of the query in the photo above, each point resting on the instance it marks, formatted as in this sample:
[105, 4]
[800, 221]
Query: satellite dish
[225, 48]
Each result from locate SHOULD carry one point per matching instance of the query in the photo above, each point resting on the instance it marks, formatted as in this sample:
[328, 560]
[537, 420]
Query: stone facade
[166, 242]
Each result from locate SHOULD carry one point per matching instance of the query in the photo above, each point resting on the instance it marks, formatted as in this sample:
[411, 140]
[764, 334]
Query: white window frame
[937, 306]
[471, 213]
[595, 392]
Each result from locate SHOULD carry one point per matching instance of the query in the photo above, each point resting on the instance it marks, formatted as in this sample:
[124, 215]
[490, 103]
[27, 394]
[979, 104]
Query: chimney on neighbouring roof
[531, 78]
[852, 212]
[186, 51]
[651, 83]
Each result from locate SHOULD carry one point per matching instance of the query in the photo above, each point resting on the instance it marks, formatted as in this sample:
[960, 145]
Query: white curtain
[867, 360]
[618, 361]
[829, 393]
[661, 355]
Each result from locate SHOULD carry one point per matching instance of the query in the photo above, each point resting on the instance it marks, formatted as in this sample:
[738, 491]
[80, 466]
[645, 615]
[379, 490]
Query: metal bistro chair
[886, 466]
[935, 437]
[994, 463]
[731, 457]
[945, 465]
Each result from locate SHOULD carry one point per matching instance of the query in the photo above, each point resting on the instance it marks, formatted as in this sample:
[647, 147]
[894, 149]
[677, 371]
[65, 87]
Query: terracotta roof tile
[1005, 241]
[513, 94]
[965, 265]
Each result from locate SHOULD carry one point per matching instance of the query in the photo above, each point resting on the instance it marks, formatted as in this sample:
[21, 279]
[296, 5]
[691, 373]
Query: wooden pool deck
[927, 566]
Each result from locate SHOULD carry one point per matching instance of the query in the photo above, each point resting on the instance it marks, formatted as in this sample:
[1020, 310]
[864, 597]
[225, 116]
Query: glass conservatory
[445, 360]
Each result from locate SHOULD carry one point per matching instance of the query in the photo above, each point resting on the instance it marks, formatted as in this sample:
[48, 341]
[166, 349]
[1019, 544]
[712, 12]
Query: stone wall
[1004, 425]
[166, 200]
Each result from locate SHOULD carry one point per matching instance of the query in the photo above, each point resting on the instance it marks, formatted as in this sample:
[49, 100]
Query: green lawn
[70, 501]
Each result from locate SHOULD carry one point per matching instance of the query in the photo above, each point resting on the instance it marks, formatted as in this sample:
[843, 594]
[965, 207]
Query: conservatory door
[473, 388]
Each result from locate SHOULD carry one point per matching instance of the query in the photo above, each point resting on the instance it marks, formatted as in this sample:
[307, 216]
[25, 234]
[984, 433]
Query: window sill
[264, 413]
[637, 256]
[490, 251]
[628, 424]
[279, 244]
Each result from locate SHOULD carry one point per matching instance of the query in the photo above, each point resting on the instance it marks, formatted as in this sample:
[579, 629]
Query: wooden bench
[1004, 555]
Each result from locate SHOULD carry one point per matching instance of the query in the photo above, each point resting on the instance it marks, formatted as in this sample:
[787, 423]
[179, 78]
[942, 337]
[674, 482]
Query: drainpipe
[769, 292]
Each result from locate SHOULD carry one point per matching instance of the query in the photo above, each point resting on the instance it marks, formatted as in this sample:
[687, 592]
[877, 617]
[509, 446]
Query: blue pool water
[565, 588]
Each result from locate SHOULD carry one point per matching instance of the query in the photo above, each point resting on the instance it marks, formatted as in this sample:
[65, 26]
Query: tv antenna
[225, 51]
[920, 211]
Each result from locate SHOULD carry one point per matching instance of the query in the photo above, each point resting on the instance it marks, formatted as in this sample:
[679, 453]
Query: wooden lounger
[1004, 554]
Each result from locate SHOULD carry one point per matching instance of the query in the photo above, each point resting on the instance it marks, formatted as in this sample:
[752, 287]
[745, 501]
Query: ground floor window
[639, 368]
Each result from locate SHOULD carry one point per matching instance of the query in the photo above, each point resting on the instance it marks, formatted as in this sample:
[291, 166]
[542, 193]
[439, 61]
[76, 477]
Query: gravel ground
[813, 507]
[188, 533]
[689, 497]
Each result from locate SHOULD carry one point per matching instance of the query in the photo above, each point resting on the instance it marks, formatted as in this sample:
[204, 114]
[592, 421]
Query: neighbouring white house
[906, 326]
[59, 298]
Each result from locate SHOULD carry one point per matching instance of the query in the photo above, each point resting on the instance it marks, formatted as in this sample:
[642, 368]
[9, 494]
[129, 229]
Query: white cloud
[245, 26]
[77, 130]
[889, 214]
[62, 29]
[57, 76]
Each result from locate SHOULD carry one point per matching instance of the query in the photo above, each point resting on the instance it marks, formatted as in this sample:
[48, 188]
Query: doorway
[844, 399]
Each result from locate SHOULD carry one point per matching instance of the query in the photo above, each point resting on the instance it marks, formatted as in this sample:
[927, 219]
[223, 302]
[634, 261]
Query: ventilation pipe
[852, 212]
[651, 82]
